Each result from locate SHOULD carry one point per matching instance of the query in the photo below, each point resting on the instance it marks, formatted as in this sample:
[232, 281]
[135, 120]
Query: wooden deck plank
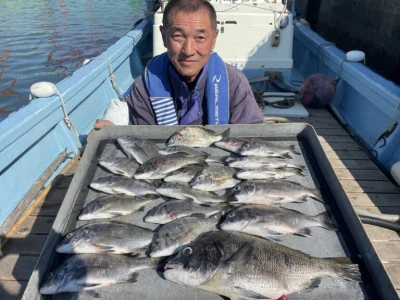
[381, 234]
[35, 225]
[368, 186]
[345, 146]
[394, 269]
[16, 267]
[388, 251]
[362, 164]
[390, 210]
[369, 175]
[376, 199]
[11, 289]
[29, 245]
[344, 154]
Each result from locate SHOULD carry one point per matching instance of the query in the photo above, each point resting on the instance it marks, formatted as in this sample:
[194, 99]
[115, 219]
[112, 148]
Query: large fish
[257, 162]
[273, 222]
[158, 167]
[268, 173]
[168, 211]
[183, 191]
[214, 178]
[171, 237]
[270, 192]
[123, 186]
[106, 237]
[110, 206]
[139, 149]
[241, 266]
[264, 148]
[84, 272]
[120, 165]
[196, 136]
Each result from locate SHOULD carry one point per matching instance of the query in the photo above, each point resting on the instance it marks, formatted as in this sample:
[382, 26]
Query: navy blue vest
[158, 76]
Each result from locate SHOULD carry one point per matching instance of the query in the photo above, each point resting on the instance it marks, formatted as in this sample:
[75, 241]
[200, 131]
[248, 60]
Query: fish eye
[69, 235]
[187, 251]
[231, 215]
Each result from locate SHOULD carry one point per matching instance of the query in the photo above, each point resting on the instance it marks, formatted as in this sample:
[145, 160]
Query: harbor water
[47, 40]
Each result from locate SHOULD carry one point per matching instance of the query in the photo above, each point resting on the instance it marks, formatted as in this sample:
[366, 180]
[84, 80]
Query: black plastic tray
[350, 239]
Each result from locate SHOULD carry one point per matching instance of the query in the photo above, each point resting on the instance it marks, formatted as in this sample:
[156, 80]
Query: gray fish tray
[350, 239]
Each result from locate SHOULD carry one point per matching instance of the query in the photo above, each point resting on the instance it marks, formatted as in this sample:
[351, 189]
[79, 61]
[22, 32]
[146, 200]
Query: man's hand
[101, 123]
[98, 125]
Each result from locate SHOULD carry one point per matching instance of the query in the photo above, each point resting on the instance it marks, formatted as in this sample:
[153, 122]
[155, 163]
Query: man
[189, 84]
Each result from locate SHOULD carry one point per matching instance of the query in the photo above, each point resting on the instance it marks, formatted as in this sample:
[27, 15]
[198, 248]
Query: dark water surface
[47, 40]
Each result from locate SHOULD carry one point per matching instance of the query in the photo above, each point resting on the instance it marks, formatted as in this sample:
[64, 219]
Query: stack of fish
[219, 213]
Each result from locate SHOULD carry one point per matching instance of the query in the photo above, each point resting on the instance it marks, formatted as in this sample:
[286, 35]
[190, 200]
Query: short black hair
[189, 6]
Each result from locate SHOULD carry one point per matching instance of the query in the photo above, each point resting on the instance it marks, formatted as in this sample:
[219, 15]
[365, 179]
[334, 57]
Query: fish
[139, 149]
[158, 167]
[168, 211]
[110, 206]
[123, 186]
[264, 148]
[184, 174]
[241, 266]
[268, 173]
[272, 222]
[85, 272]
[214, 178]
[196, 136]
[189, 151]
[182, 191]
[106, 237]
[271, 192]
[232, 144]
[256, 162]
[120, 166]
[171, 237]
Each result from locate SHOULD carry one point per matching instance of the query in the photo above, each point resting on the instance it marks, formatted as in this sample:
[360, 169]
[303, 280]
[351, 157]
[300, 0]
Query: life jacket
[158, 77]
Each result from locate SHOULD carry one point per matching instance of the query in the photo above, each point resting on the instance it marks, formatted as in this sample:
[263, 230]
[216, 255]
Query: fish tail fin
[315, 194]
[346, 269]
[300, 172]
[294, 150]
[325, 222]
[351, 272]
[286, 155]
[226, 133]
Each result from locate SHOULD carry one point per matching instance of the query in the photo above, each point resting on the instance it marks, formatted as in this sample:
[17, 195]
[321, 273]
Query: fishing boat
[275, 51]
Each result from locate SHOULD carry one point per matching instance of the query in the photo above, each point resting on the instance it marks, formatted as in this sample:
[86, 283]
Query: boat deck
[365, 184]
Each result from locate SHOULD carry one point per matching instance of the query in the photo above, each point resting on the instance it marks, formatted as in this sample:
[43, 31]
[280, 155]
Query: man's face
[189, 41]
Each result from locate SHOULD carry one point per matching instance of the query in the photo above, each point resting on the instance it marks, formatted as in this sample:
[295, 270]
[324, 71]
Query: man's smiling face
[189, 40]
